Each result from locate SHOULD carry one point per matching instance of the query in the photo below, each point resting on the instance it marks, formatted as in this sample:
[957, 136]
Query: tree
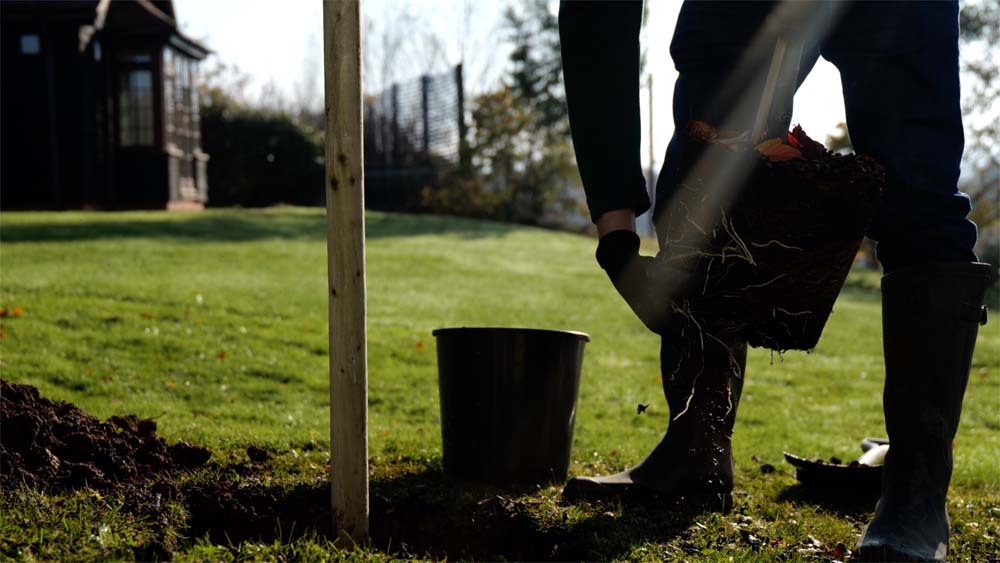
[840, 141]
[261, 154]
[979, 28]
[521, 129]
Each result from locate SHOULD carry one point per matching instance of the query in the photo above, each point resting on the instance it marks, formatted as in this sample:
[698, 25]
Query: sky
[281, 43]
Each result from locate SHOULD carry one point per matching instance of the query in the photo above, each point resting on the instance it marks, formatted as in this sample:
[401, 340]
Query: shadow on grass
[427, 514]
[243, 226]
[858, 504]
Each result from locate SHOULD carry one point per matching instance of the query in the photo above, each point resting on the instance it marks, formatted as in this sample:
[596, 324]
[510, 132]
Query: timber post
[344, 155]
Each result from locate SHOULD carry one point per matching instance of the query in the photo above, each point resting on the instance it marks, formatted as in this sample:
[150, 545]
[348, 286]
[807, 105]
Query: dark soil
[56, 446]
[770, 263]
[423, 514]
[406, 522]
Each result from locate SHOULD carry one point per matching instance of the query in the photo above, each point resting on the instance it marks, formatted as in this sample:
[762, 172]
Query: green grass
[215, 324]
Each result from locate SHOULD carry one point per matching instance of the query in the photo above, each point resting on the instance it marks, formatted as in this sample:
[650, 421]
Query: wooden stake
[770, 86]
[346, 268]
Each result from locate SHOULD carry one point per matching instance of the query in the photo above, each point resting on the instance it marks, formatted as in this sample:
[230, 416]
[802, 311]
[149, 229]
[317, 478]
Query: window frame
[124, 66]
[38, 44]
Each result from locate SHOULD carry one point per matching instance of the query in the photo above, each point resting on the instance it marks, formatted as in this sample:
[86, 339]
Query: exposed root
[771, 259]
[779, 243]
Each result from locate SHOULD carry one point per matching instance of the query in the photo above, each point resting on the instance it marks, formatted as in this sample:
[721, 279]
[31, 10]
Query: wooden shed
[99, 106]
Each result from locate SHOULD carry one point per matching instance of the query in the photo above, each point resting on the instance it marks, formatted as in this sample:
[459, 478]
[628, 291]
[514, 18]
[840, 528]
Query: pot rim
[501, 330]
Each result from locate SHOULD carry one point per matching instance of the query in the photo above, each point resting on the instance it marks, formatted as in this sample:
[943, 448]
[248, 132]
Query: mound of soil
[56, 446]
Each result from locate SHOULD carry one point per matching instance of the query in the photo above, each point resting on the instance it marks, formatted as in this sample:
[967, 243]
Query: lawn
[215, 325]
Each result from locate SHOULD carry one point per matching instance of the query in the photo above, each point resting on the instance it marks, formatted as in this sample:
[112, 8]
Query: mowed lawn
[215, 324]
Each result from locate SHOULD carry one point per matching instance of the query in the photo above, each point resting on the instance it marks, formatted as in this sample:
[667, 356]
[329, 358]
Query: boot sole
[885, 553]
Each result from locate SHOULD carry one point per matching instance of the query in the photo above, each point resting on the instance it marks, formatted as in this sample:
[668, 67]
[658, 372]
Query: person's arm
[600, 55]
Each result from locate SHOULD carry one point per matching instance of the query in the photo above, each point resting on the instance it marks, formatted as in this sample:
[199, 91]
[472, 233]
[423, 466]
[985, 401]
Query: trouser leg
[899, 67]
[722, 51]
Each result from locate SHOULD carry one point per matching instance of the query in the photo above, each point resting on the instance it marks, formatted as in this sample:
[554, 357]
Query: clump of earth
[54, 445]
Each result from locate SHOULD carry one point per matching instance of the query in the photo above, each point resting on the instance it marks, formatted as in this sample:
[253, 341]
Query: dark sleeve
[600, 56]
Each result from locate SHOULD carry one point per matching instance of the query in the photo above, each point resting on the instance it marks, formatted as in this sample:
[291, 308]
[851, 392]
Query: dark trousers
[899, 68]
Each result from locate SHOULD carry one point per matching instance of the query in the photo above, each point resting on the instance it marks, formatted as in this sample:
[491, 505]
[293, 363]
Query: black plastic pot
[508, 402]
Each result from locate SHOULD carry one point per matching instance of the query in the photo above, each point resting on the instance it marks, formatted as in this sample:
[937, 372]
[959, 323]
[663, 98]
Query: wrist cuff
[615, 249]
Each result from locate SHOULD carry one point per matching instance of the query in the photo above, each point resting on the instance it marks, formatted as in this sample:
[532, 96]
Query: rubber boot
[930, 317]
[702, 381]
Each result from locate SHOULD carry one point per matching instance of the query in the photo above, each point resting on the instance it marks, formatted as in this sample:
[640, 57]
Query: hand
[647, 285]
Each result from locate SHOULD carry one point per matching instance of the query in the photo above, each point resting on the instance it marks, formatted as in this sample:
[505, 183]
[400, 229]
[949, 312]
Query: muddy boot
[930, 316]
[694, 459]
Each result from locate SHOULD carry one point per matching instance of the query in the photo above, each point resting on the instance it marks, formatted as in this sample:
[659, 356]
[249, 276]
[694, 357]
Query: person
[899, 68]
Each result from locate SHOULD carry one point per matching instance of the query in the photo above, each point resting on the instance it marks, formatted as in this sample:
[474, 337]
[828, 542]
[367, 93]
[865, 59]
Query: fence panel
[413, 133]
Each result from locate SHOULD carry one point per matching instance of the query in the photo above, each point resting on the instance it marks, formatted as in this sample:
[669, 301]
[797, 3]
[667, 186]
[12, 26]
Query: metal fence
[413, 132]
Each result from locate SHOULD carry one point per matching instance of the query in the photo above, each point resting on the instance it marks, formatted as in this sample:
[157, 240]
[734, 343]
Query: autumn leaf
[147, 315]
[3, 312]
[701, 132]
[222, 355]
[776, 151]
[420, 344]
[797, 138]
[17, 311]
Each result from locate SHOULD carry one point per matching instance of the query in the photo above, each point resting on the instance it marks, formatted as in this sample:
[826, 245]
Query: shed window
[31, 44]
[180, 96]
[135, 108]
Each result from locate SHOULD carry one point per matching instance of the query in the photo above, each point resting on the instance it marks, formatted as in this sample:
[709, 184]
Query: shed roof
[133, 17]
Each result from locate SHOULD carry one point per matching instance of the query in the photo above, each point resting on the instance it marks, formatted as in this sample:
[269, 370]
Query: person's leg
[899, 66]
[694, 458]
[722, 52]
[718, 83]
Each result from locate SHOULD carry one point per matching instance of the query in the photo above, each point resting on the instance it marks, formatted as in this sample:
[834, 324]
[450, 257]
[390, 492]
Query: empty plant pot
[508, 402]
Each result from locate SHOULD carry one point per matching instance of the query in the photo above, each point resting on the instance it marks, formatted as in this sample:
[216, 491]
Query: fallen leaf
[87, 371]
[3, 312]
[17, 311]
[420, 344]
[798, 139]
[701, 131]
[147, 315]
[776, 151]
[222, 355]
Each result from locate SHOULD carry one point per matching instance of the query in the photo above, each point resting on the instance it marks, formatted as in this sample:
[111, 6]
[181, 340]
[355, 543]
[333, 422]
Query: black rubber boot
[694, 459]
[930, 317]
